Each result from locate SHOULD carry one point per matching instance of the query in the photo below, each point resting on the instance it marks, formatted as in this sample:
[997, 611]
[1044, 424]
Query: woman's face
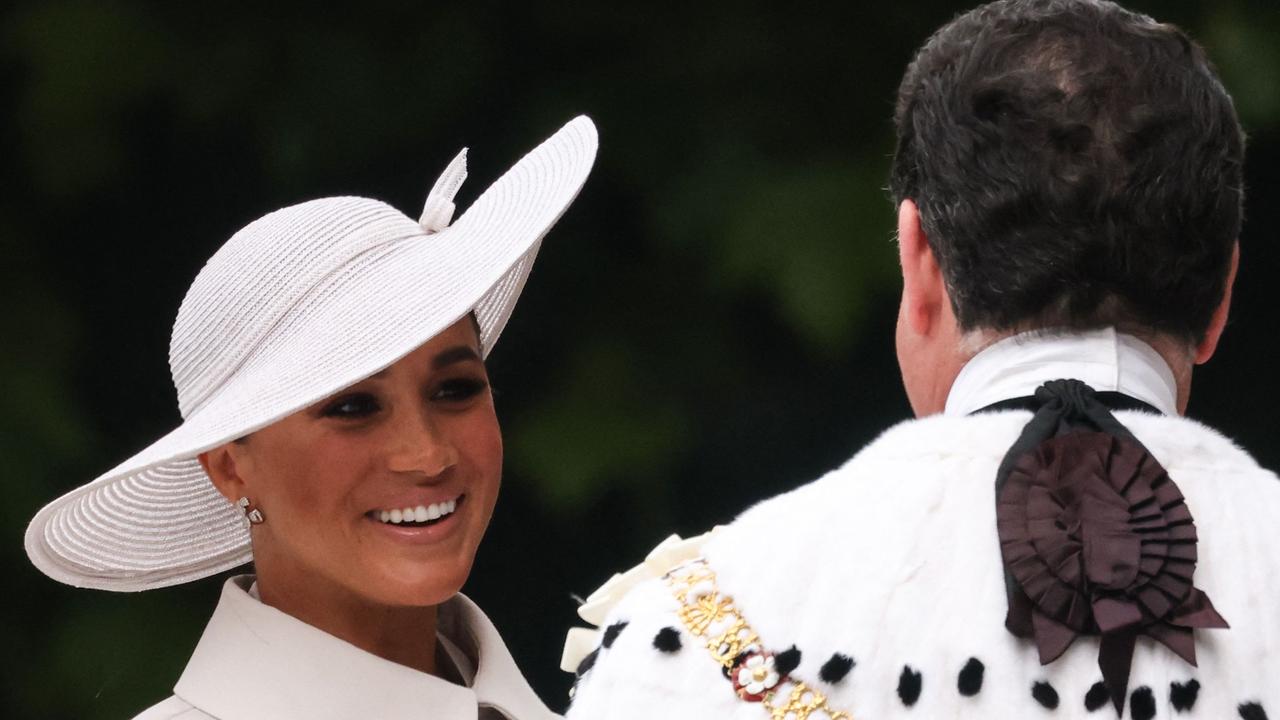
[384, 489]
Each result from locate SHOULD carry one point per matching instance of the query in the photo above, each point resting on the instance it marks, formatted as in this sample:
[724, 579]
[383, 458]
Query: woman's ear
[220, 464]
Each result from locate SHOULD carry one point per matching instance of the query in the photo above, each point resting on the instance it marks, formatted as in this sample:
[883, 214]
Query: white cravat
[1103, 359]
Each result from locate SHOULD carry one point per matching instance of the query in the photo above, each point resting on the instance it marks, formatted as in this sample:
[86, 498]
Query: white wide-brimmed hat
[301, 303]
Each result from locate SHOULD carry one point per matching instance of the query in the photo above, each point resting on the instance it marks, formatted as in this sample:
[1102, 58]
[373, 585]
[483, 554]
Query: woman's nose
[417, 445]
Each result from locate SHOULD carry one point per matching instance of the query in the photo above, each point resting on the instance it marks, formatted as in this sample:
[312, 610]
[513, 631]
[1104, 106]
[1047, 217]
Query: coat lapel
[254, 661]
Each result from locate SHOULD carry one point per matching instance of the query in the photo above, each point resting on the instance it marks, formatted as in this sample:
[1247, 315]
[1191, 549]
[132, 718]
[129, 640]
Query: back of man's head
[1074, 164]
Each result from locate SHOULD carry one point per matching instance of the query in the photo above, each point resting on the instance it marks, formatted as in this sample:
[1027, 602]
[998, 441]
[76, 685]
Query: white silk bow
[669, 554]
[438, 211]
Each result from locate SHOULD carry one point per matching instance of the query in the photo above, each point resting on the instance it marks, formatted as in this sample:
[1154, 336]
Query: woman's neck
[403, 635]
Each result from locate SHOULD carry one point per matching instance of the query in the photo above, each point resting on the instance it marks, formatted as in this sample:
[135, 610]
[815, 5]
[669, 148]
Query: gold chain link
[714, 619]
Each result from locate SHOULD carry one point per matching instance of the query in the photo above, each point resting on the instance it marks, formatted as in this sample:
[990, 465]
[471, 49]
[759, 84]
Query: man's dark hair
[1075, 164]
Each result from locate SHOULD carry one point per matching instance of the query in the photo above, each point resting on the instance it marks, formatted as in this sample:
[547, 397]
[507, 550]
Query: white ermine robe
[892, 562]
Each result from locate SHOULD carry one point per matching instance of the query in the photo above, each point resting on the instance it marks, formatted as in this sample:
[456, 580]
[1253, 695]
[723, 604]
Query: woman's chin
[420, 585]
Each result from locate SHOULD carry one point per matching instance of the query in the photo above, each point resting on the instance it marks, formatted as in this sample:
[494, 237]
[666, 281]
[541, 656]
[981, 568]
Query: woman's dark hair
[1074, 164]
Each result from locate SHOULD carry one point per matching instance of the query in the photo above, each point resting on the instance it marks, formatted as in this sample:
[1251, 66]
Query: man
[1050, 537]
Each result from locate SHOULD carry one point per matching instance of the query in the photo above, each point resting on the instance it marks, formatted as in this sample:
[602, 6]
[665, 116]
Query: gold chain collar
[713, 618]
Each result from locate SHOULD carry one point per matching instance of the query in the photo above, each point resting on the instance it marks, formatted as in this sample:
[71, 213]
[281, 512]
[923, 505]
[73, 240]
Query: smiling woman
[338, 431]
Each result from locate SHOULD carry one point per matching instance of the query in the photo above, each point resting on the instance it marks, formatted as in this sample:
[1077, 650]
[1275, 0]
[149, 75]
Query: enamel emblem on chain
[714, 619]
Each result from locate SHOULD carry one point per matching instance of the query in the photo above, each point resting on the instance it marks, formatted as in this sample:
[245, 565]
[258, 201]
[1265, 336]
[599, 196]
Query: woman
[337, 430]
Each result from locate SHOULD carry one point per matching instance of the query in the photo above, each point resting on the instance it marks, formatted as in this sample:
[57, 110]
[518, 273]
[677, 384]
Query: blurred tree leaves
[87, 63]
[602, 425]
[814, 238]
[1242, 41]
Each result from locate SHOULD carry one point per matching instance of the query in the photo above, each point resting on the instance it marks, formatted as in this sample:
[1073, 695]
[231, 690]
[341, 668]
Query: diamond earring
[254, 515]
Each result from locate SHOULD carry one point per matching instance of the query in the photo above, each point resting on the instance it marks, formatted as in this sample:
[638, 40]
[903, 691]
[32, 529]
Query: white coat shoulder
[885, 575]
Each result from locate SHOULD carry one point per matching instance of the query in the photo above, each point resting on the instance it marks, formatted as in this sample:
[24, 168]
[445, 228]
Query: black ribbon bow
[1095, 536]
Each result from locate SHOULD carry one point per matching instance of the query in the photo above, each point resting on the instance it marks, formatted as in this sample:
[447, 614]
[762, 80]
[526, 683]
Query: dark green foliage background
[710, 324]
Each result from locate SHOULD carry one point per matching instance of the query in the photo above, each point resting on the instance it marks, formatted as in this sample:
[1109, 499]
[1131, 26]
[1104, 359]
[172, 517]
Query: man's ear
[220, 464]
[1218, 323]
[924, 294]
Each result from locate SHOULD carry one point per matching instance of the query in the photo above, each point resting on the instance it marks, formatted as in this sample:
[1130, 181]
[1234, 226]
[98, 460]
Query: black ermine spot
[909, 684]
[1182, 696]
[667, 640]
[587, 663]
[970, 681]
[787, 660]
[1252, 711]
[834, 669]
[1044, 694]
[1096, 697]
[1142, 704]
[611, 633]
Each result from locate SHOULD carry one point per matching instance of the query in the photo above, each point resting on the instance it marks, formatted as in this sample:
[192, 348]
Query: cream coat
[893, 561]
[254, 662]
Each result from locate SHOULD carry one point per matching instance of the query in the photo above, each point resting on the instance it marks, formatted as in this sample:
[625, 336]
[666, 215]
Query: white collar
[255, 661]
[1103, 359]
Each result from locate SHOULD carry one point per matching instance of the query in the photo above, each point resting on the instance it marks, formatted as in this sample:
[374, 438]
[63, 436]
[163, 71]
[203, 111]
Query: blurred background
[710, 324]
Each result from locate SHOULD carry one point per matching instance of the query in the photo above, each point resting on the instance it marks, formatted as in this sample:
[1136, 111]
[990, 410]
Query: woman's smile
[409, 514]
[421, 523]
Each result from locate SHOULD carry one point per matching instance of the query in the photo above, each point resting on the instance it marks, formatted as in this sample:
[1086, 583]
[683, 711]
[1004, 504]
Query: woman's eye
[459, 390]
[352, 406]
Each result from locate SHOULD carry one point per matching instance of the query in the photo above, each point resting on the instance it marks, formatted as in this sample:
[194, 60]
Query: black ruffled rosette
[1096, 538]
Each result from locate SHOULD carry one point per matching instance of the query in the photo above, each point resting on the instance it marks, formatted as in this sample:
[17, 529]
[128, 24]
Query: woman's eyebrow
[452, 356]
[461, 353]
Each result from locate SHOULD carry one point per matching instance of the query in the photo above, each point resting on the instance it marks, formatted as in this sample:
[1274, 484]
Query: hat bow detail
[437, 212]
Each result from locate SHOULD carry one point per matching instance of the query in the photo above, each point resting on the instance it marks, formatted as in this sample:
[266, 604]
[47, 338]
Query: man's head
[1061, 163]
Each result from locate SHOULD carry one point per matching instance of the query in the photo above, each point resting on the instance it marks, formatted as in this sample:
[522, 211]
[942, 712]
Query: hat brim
[156, 520]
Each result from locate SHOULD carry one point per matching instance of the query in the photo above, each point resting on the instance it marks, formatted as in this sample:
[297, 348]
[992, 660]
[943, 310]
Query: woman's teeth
[419, 514]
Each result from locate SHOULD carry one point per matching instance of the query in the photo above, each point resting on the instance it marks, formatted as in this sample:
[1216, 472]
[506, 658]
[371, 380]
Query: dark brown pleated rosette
[1096, 538]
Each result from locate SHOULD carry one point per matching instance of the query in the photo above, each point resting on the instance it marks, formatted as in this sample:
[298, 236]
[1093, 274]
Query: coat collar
[254, 661]
[1103, 359]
